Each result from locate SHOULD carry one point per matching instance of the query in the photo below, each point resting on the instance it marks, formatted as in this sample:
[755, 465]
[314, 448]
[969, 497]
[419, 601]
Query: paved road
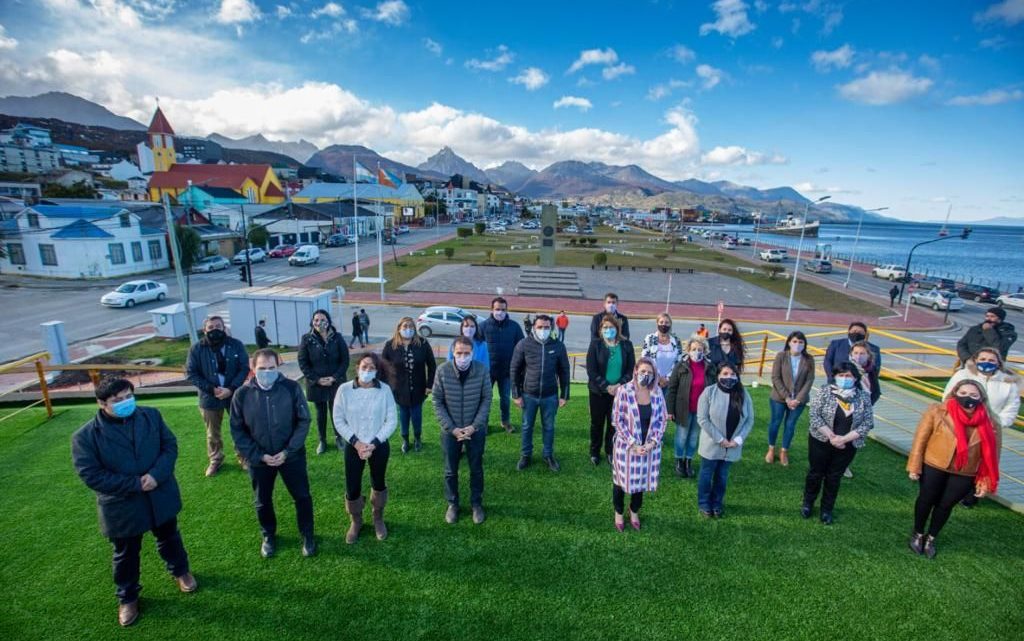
[77, 302]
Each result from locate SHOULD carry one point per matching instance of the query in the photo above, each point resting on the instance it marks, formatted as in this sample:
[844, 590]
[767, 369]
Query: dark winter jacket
[201, 370]
[462, 402]
[261, 337]
[677, 392]
[597, 365]
[411, 385]
[595, 325]
[717, 356]
[269, 421]
[319, 358]
[112, 454]
[1000, 337]
[839, 352]
[540, 369]
[502, 339]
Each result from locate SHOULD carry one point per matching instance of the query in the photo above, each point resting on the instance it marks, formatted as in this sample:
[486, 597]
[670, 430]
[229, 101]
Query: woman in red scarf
[955, 453]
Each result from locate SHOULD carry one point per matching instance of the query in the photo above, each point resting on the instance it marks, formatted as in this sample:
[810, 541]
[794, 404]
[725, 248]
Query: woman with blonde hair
[688, 379]
[412, 360]
[663, 348]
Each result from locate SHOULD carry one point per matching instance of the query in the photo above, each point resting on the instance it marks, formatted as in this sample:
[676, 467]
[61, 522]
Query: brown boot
[378, 500]
[127, 613]
[355, 513]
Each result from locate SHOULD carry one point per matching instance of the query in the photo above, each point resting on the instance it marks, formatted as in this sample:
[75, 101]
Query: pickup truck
[889, 272]
[773, 255]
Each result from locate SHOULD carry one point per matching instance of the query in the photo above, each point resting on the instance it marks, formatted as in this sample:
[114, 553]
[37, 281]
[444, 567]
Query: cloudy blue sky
[910, 105]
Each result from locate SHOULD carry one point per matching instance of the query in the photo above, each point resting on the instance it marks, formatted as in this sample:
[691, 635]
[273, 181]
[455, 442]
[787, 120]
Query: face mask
[610, 307]
[265, 378]
[855, 337]
[645, 379]
[727, 383]
[463, 362]
[542, 334]
[664, 329]
[407, 333]
[499, 315]
[861, 359]
[367, 376]
[216, 336]
[845, 383]
[796, 348]
[322, 325]
[125, 408]
[696, 356]
[968, 402]
[608, 333]
[469, 332]
[725, 336]
[987, 368]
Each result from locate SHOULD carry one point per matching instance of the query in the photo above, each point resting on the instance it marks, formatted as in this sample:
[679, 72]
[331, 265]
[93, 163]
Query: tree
[479, 228]
[601, 259]
[774, 270]
[258, 235]
[463, 232]
[189, 248]
[491, 256]
[80, 189]
[449, 252]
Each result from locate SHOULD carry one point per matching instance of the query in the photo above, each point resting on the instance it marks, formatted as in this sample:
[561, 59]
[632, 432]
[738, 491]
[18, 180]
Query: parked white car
[134, 292]
[305, 255]
[256, 255]
[889, 272]
[211, 264]
[622, 229]
[938, 299]
[1013, 301]
[773, 255]
[442, 321]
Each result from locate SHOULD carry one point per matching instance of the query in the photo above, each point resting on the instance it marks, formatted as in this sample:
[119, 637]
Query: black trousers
[354, 467]
[601, 430]
[323, 411]
[827, 467]
[636, 500]
[939, 493]
[452, 449]
[293, 473]
[126, 558]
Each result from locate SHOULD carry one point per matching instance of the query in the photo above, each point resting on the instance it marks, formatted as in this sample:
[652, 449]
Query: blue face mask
[266, 377]
[125, 408]
[608, 333]
[845, 383]
[987, 368]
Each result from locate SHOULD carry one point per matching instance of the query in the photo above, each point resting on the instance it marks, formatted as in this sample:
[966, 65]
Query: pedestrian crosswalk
[256, 277]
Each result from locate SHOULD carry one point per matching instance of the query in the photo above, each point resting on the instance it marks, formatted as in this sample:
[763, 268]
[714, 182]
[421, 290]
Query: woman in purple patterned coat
[639, 416]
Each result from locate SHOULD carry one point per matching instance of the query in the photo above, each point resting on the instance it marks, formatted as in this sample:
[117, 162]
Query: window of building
[33, 220]
[48, 254]
[137, 251]
[314, 237]
[250, 193]
[156, 252]
[126, 220]
[116, 254]
[304, 237]
[16, 253]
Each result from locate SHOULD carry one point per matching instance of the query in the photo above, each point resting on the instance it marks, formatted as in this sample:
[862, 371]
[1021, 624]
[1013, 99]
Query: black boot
[688, 471]
[917, 543]
[405, 445]
[929, 547]
[806, 509]
[680, 468]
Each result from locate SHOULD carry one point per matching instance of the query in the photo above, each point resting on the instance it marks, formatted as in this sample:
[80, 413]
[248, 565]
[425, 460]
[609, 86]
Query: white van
[305, 255]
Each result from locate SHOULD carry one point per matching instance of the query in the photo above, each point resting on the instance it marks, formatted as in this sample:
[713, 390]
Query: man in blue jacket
[217, 366]
[126, 455]
[502, 335]
[839, 350]
[540, 381]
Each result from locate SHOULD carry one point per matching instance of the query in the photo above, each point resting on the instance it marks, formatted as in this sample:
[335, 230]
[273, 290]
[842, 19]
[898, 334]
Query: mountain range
[69, 108]
[301, 151]
[447, 163]
[337, 160]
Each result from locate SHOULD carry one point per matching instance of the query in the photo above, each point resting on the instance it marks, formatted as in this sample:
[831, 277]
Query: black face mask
[727, 384]
[968, 402]
[855, 337]
[725, 336]
[663, 329]
[216, 336]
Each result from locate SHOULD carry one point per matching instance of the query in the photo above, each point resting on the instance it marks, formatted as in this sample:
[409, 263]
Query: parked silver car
[211, 264]
[938, 299]
[442, 321]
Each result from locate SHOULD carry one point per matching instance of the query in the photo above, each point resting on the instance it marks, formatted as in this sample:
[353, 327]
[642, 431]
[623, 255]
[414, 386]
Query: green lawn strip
[546, 565]
[172, 352]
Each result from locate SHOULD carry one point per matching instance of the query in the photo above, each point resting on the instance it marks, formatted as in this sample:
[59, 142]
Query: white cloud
[736, 155]
[6, 42]
[710, 76]
[532, 78]
[594, 57]
[731, 19]
[988, 98]
[621, 69]
[930, 63]
[238, 11]
[283, 11]
[393, 12]
[682, 54]
[830, 13]
[841, 58]
[433, 46]
[1009, 12]
[665, 89]
[331, 10]
[503, 58]
[336, 28]
[761, 6]
[778, 41]
[811, 188]
[573, 101]
[995, 43]
[885, 87]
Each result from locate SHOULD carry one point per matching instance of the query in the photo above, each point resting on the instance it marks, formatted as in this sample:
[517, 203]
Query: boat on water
[793, 226]
[945, 224]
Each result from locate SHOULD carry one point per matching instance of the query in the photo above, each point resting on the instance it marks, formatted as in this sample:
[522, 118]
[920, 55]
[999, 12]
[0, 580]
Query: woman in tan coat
[792, 381]
[955, 453]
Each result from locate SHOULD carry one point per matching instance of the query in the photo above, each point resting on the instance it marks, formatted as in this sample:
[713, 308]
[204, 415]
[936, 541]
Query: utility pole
[179, 276]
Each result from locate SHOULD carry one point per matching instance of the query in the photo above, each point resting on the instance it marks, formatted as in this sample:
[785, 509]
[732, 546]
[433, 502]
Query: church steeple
[161, 141]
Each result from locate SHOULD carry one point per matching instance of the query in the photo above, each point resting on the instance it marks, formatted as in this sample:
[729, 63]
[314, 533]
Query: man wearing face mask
[611, 306]
[126, 455]
[993, 332]
[540, 381]
[502, 335]
[462, 402]
[217, 366]
[269, 422]
[839, 350]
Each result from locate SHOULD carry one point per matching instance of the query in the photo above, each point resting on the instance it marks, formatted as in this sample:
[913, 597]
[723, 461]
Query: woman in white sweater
[1002, 387]
[365, 418]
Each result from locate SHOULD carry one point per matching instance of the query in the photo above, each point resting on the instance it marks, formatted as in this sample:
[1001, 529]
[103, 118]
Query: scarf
[865, 381]
[988, 468]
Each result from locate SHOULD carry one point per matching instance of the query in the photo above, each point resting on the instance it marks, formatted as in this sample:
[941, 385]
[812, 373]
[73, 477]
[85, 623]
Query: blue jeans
[780, 413]
[414, 412]
[711, 482]
[686, 437]
[548, 407]
[504, 392]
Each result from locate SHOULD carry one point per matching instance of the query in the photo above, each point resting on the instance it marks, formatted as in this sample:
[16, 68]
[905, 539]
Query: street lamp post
[856, 240]
[799, 249]
[963, 236]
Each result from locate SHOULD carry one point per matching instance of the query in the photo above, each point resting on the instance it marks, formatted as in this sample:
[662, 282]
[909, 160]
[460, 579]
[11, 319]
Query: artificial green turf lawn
[547, 564]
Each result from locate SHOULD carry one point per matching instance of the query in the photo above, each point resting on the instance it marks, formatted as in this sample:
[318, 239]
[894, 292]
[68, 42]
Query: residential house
[389, 201]
[124, 170]
[203, 197]
[28, 160]
[26, 135]
[73, 177]
[75, 156]
[257, 183]
[26, 192]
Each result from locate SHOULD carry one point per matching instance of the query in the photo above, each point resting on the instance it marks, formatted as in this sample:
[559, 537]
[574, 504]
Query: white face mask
[796, 348]
[499, 315]
[266, 378]
[469, 332]
[542, 334]
[610, 307]
[367, 375]
[463, 362]
[696, 355]
[407, 332]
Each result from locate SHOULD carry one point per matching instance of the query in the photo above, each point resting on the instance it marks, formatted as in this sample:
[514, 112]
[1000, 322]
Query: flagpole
[380, 245]
[355, 210]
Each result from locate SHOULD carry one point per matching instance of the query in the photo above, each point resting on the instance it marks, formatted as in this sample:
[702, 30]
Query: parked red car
[283, 251]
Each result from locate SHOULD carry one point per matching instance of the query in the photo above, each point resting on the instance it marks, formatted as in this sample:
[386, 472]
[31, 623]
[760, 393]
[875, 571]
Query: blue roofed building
[403, 202]
[82, 241]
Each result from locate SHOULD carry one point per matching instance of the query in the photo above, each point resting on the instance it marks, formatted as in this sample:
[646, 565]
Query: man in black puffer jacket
[540, 381]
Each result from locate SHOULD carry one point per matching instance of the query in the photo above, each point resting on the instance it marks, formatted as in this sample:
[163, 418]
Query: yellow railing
[34, 363]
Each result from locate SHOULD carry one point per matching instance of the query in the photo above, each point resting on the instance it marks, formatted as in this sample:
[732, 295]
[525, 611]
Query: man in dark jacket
[993, 332]
[839, 349]
[540, 380]
[502, 336]
[462, 402]
[611, 306]
[126, 455]
[364, 325]
[262, 342]
[269, 422]
[217, 366]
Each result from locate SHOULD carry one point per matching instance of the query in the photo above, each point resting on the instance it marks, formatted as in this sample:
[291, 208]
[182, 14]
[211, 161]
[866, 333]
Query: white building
[458, 201]
[67, 241]
[124, 170]
[28, 160]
